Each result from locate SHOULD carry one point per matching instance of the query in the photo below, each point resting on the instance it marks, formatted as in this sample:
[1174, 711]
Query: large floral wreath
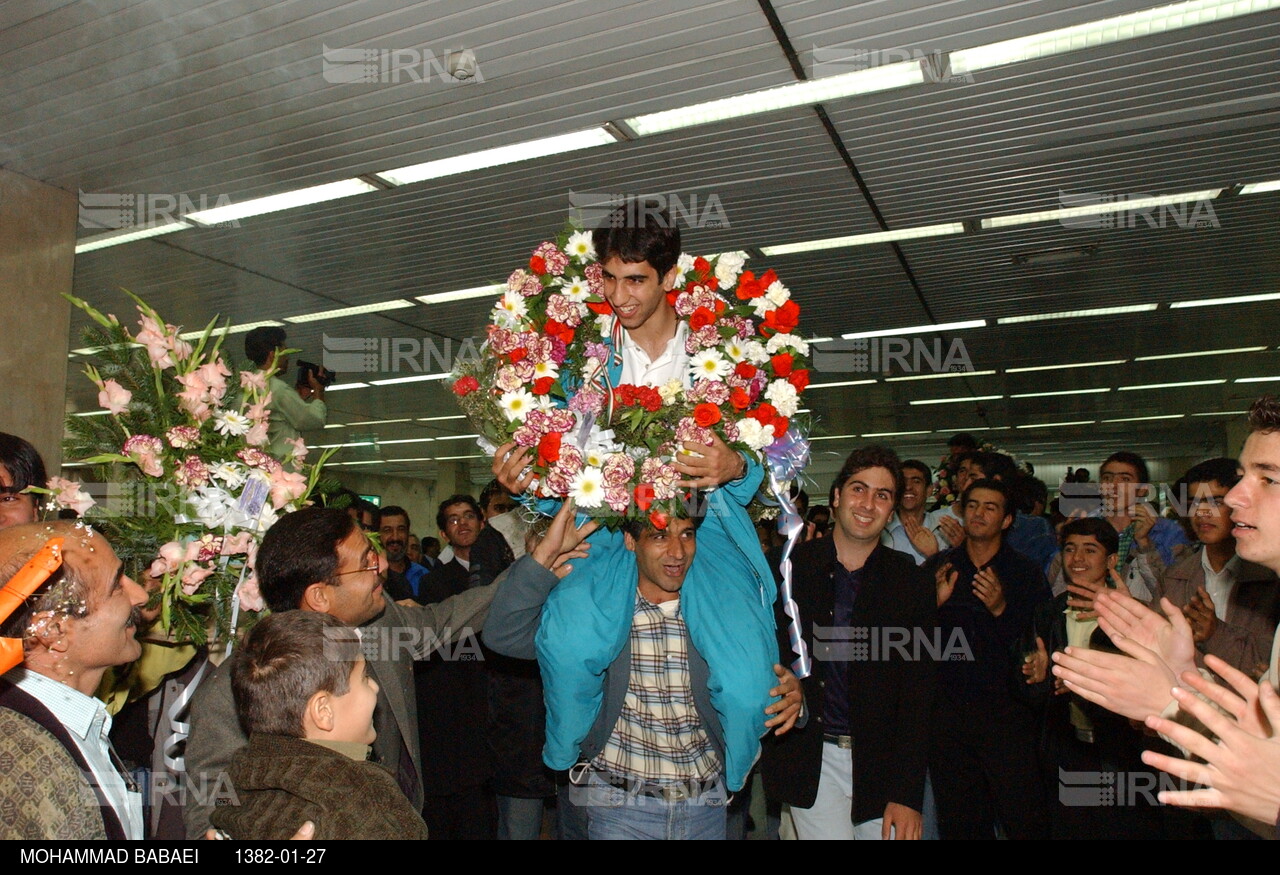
[542, 381]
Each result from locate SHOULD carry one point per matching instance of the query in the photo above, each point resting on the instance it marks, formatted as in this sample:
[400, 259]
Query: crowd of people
[985, 662]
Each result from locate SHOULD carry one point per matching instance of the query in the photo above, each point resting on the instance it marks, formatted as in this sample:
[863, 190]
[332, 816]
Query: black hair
[873, 456]
[635, 232]
[1094, 527]
[300, 549]
[24, 465]
[1125, 457]
[460, 498]
[262, 341]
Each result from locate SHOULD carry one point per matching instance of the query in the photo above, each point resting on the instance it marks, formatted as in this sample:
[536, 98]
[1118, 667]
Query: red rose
[739, 399]
[643, 496]
[538, 265]
[671, 297]
[542, 385]
[701, 318]
[799, 379]
[782, 364]
[706, 414]
[549, 448]
[701, 265]
[782, 320]
[558, 329]
[749, 287]
[465, 386]
[745, 370]
[600, 308]
[720, 305]
[780, 425]
[517, 354]
[659, 520]
[764, 414]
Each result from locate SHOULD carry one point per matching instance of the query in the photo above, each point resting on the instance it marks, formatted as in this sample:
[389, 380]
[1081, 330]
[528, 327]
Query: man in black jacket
[856, 770]
[983, 760]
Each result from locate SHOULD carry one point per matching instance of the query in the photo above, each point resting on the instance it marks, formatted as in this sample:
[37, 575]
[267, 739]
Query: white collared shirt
[673, 364]
[1219, 583]
[88, 723]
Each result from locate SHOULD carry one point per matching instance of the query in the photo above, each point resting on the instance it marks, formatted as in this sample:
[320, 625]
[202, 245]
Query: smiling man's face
[663, 557]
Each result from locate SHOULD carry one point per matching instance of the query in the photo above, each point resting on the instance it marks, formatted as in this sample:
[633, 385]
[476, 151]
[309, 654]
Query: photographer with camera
[294, 409]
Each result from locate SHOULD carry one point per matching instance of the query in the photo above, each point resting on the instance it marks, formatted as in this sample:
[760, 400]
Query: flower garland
[542, 380]
[189, 434]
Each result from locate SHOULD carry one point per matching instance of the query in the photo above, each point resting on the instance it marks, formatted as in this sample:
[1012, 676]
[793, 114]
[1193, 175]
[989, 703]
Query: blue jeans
[622, 813]
[519, 819]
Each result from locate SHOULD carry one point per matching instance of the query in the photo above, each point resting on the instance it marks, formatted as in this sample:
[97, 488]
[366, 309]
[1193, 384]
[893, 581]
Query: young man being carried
[729, 594]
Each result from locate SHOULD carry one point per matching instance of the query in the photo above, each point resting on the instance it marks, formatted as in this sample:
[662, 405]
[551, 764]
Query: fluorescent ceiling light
[832, 437]
[441, 418]
[363, 462]
[868, 81]
[334, 446]
[498, 155]
[458, 437]
[845, 383]
[1062, 392]
[1184, 355]
[1059, 367]
[416, 378]
[232, 329]
[127, 235]
[813, 340]
[421, 440]
[1146, 418]
[1075, 314]
[335, 425]
[880, 434]
[1101, 208]
[1171, 385]
[416, 459]
[1106, 31]
[917, 329]
[1260, 187]
[286, 200]
[958, 400]
[1256, 379]
[1057, 424]
[342, 387]
[92, 413]
[452, 458]
[463, 294]
[1213, 302]
[1222, 413]
[940, 376]
[397, 304]
[864, 239]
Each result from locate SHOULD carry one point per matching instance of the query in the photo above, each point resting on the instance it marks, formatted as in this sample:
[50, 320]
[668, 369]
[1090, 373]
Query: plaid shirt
[659, 736]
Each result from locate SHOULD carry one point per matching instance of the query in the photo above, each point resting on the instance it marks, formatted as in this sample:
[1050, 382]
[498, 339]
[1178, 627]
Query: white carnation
[778, 294]
[753, 434]
[782, 341]
[755, 352]
[728, 266]
[783, 396]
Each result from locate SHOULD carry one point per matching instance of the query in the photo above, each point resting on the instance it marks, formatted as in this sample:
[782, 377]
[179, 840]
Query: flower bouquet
[181, 451]
[543, 380]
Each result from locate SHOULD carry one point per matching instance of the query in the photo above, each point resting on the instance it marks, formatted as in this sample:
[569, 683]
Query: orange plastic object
[19, 589]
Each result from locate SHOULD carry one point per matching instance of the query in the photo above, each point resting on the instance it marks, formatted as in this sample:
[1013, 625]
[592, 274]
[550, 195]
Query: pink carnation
[595, 277]
[183, 437]
[587, 401]
[554, 257]
[146, 451]
[192, 473]
[257, 459]
[515, 282]
[618, 498]
[618, 470]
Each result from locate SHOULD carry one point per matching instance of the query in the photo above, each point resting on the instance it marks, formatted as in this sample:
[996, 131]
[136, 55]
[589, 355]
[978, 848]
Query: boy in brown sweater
[306, 702]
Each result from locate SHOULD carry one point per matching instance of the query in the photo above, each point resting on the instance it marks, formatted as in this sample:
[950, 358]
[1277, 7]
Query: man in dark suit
[856, 770]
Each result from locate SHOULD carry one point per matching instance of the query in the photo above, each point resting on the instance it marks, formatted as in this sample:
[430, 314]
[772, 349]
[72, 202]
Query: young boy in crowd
[306, 702]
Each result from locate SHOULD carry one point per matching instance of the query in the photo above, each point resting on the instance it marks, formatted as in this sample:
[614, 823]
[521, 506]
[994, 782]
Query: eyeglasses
[469, 516]
[370, 564]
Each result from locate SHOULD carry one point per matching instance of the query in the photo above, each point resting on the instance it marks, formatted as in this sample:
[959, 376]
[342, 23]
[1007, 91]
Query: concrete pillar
[37, 255]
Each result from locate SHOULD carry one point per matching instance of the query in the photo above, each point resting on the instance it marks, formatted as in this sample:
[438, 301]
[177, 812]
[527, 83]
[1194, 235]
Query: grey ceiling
[228, 98]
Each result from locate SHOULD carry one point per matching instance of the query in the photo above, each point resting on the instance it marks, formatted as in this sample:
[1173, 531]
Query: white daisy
[575, 289]
[580, 246]
[587, 489]
[509, 310]
[546, 369]
[230, 473]
[709, 365]
[516, 405]
[684, 264]
[735, 349]
[231, 423]
[545, 403]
